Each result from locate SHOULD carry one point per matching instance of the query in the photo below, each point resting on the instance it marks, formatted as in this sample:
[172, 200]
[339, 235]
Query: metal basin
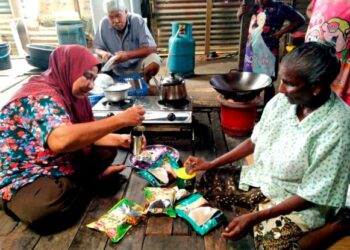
[39, 55]
[117, 92]
[240, 86]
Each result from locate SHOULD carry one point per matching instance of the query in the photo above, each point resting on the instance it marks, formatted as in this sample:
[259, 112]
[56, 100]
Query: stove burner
[122, 104]
[177, 104]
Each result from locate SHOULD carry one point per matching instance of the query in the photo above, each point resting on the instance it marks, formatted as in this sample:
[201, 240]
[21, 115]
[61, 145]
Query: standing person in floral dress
[330, 22]
[265, 30]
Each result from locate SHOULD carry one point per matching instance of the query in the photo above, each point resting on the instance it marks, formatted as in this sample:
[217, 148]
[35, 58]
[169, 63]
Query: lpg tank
[181, 49]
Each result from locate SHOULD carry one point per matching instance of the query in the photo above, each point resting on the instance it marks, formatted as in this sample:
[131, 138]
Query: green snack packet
[162, 172]
[197, 211]
[160, 201]
[119, 219]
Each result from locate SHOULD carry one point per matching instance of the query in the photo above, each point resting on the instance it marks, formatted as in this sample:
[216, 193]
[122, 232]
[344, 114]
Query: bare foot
[111, 170]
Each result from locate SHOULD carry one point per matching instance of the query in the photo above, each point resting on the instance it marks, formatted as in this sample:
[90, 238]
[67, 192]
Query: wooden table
[156, 232]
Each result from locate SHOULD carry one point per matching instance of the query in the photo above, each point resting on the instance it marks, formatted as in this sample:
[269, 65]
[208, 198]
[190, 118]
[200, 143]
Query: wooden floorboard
[219, 139]
[20, 238]
[173, 243]
[61, 240]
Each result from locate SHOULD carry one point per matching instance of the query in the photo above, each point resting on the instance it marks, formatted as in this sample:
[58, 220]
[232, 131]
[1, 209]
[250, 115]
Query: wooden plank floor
[156, 232]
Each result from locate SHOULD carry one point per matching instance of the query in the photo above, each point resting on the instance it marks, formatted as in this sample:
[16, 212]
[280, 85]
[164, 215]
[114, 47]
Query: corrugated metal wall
[224, 32]
[5, 7]
[223, 36]
[224, 26]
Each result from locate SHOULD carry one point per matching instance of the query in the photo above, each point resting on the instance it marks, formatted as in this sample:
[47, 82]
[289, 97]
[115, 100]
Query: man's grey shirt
[137, 35]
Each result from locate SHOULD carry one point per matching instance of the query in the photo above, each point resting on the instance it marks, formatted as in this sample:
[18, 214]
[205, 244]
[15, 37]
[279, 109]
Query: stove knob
[171, 117]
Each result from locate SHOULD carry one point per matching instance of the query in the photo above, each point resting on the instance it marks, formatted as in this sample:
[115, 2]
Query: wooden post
[245, 21]
[153, 25]
[18, 27]
[16, 8]
[77, 7]
[208, 26]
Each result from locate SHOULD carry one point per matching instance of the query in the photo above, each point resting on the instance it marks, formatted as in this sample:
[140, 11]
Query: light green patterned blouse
[308, 158]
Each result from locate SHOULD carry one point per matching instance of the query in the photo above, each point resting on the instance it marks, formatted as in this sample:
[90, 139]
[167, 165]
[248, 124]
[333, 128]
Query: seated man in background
[126, 36]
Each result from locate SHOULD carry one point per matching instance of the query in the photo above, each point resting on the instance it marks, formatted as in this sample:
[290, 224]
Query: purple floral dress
[24, 156]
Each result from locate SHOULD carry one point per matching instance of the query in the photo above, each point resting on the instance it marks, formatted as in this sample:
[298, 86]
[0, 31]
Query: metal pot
[172, 88]
[117, 92]
[136, 83]
[240, 86]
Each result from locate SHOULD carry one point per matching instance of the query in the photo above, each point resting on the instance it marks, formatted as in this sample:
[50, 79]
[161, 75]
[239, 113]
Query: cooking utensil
[240, 86]
[172, 88]
[39, 55]
[110, 64]
[37, 63]
[103, 80]
[117, 92]
[136, 83]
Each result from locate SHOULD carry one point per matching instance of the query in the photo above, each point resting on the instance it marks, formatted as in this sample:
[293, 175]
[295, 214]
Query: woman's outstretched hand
[240, 226]
[196, 164]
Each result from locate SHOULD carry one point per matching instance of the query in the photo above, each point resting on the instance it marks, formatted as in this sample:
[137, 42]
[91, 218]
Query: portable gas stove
[157, 111]
[164, 122]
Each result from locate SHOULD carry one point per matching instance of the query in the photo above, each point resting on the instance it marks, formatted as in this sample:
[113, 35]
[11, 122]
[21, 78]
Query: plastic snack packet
[119, 219]
[160, 201]
[147, 157]
[180, 193]
[197, 211]
[162, 172]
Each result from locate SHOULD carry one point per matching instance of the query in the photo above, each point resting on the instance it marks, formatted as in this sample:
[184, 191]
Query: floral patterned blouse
[24, 156]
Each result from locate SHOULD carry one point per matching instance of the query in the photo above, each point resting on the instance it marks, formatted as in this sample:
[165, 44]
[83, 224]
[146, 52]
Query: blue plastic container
[94, 99]
[181, 50]
[134, 92]
[70, 32]
[5, 61]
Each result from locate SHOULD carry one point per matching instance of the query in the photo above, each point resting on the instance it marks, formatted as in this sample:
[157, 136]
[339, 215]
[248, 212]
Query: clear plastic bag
[197, 211]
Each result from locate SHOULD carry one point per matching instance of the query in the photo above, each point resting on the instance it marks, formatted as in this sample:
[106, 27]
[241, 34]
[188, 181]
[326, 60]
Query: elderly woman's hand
[132, 116]
[196, 164]
[240, 226]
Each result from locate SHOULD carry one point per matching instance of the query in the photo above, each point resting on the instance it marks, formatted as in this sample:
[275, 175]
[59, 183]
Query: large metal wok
[240, 86]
